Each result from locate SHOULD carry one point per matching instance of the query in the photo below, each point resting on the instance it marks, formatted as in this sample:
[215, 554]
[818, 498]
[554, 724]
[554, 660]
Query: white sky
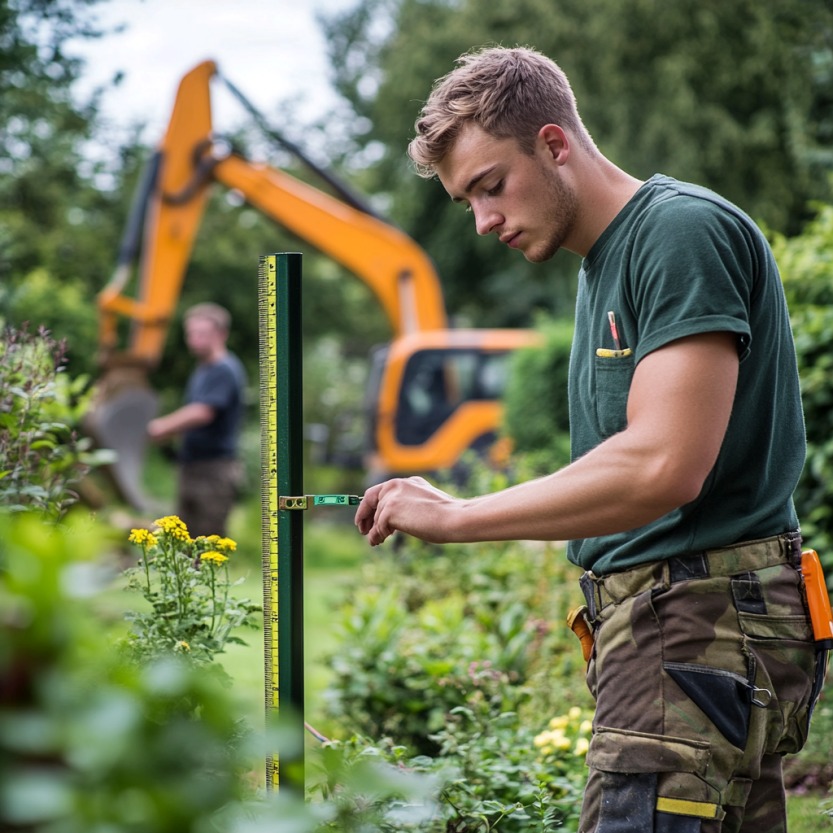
[271, 50]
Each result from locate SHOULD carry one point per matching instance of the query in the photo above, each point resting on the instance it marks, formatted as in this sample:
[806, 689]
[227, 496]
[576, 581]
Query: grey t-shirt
[221, 385]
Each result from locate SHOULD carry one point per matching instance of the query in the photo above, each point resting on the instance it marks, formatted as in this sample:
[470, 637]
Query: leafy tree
[735, 96]
[62, 211]
[57, 228]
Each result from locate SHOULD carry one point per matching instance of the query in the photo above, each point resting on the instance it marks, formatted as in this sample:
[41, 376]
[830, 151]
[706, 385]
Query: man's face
[523, 198]
[203, 337]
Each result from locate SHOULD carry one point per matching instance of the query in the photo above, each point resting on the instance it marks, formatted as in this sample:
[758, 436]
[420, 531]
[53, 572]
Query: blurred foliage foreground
[95, 737]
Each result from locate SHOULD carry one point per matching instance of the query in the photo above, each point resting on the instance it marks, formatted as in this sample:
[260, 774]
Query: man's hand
[411, 505]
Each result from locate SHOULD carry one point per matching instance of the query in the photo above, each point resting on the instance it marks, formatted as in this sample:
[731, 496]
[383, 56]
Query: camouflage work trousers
[207, 490]
[705, 674]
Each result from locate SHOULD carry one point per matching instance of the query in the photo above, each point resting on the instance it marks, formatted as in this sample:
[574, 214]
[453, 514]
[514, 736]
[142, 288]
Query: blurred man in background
[210, 474]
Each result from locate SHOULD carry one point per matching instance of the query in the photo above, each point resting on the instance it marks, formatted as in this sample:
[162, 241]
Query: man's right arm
[193, 415]
[679, 406]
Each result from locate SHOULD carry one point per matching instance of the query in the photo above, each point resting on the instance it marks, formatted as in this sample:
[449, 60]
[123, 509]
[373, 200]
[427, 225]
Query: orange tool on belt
[578, 624]
[818, 600]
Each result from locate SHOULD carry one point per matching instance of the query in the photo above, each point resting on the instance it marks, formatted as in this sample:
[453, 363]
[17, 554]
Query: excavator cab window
[378, 361]
[437, 382]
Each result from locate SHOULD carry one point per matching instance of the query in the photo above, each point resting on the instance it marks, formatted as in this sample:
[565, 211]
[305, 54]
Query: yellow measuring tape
[269, 491]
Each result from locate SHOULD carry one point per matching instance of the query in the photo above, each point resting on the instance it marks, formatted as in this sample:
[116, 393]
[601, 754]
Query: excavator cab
[433, 396]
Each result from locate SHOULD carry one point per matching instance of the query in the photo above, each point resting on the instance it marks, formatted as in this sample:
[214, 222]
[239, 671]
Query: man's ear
[554, 142]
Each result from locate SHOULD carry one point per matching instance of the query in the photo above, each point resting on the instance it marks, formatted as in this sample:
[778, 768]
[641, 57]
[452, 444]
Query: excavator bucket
[123, 406]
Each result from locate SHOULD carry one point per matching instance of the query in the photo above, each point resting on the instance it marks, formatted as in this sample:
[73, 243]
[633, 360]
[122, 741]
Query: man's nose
[486, 219]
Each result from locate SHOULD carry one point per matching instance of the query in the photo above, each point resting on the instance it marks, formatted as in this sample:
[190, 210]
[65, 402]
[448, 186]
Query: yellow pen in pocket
[604, 353]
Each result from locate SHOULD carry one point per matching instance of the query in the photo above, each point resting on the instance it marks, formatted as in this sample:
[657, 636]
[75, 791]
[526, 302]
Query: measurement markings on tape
[267, 308]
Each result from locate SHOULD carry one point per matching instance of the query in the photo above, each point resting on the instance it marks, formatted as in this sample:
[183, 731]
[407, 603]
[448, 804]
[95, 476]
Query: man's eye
[493, 192]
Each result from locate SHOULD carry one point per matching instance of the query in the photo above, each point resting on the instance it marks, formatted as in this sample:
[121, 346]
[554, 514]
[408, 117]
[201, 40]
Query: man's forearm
[611, 489]
[183, 419]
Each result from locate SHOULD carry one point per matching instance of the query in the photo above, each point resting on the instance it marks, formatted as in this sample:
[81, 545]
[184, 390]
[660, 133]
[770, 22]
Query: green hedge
[536, 414]
[456, 662]
[806, 264]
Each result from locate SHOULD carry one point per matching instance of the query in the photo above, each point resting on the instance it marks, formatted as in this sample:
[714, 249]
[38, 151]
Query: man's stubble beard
[562, 208]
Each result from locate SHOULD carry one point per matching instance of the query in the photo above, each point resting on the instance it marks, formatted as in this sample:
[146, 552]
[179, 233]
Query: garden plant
[187, 584]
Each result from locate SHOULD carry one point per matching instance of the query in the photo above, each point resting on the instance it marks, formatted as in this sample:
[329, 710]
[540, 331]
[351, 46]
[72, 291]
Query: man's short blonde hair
[507, 92]
[219, 316]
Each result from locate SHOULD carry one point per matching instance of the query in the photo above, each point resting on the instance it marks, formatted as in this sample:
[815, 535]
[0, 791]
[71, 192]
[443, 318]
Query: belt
[745, 557]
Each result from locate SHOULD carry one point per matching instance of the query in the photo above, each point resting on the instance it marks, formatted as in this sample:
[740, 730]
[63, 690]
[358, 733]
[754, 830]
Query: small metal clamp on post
[301, 502]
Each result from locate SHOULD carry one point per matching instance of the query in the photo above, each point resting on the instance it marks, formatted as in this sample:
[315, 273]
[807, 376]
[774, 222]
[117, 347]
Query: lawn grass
[804, 814]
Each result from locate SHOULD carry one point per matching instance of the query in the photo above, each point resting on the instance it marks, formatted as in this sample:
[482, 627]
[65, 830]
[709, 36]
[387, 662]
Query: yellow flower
[226, 544]
[574, 713]
[213, 557]
[174, 527]
[586, 727]
[561, 742]
[550, 740]
[182, 646]
[581, 747]
[142, 536]
[559, 722]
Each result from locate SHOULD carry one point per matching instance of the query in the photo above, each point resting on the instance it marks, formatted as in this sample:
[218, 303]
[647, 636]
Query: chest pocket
[613, 384]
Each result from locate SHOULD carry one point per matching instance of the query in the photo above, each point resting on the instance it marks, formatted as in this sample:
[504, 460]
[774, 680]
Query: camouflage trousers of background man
[207, 490]
[704, 673]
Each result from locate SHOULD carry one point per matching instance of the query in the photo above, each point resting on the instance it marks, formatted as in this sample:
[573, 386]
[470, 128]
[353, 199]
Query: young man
[688, 440]
[209, 475]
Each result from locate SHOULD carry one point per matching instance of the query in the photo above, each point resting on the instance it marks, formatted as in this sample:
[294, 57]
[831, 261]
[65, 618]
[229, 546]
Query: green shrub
[510, 773]
[493, 771]
[536, 414]
[87, 740]
[62, 307]
[806, 264]
[399, 672]
[454, 660]
[42, 454]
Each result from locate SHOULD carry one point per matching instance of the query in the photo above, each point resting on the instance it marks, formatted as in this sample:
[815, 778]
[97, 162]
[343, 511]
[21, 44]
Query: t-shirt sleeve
[692, 272]
[215, 387]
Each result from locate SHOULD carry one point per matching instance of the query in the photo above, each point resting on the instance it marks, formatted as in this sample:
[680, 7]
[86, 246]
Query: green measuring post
[279, 305]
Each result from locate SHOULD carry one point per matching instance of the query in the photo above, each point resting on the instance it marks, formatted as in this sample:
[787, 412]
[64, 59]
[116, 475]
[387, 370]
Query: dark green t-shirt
[676, 261]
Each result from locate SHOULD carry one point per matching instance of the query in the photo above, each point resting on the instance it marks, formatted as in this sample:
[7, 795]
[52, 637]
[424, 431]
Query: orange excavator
[434, 392]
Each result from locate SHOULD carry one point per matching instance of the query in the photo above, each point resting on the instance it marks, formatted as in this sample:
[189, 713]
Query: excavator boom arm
[397, 271]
